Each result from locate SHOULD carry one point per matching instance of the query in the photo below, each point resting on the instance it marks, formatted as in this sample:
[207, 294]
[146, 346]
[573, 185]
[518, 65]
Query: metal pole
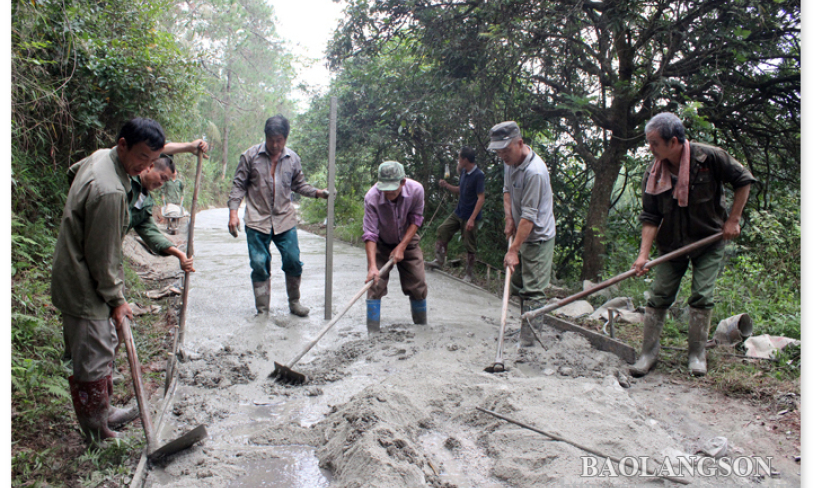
[331, 186]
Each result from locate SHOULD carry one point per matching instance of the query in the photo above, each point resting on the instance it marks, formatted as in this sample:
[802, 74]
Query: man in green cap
[393, 211]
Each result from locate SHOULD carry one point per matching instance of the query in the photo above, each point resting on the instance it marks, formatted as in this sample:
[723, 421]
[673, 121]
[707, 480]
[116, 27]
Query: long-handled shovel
[623, 276]
[499, 366]
[179, 444]
[180, 329]
[284, 373]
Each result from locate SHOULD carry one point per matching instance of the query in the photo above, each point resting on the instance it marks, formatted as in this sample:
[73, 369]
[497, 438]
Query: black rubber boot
[471, 258]
[116, 417]
[526, 336]
[262, 295]
[292, 285]
[440, 256]
[653, 325]
[699, 319]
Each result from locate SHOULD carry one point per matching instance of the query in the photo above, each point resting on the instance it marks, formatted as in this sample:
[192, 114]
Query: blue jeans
[259, 253]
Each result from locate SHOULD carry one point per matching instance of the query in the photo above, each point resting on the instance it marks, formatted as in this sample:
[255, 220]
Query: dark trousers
[410, 271]
[259, 253]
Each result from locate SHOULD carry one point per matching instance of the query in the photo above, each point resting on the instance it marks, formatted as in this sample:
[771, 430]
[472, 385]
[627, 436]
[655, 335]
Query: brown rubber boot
[440, 256]
[699, 319]
[262, 295]
[471, 258]
[91, 403]
[116, 417]
[653, 325]
[292, 285]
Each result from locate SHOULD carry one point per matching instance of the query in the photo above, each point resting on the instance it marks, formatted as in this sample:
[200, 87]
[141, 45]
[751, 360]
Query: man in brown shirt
[266, 176]
[683, 202]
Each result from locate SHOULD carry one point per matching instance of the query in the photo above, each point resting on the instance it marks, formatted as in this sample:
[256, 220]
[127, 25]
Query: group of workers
[683, 202]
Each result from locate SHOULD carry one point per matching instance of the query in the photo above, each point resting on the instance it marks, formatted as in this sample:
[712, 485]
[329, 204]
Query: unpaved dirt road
[398, 409]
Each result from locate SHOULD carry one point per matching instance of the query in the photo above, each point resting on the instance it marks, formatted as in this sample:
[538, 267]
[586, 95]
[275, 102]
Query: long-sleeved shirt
[268, 197]
[172, 191]
[141, 220]
[388, 221]
[531, 196]
[85, 279]
[710, 167]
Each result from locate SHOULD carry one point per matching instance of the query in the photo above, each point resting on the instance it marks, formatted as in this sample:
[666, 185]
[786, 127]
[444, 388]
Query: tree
[248, 74]
[590, 74]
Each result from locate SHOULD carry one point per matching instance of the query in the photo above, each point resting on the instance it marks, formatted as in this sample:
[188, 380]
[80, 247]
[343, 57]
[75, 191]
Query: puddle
[286, 467]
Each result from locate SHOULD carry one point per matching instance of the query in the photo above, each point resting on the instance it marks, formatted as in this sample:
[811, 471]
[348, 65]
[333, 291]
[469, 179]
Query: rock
[716, 447]
[548, 372]
[574, 309]
[566, 371]
[607, 293]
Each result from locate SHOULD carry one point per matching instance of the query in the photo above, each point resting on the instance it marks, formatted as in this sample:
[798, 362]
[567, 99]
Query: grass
[47, 448]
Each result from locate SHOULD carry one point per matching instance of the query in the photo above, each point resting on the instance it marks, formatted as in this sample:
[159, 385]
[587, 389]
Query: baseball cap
[390, 174]
[502, 134]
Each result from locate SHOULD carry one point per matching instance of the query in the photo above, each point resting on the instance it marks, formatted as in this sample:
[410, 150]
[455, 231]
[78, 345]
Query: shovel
[284, 373]
[623, 276]
[499, 366]
[179, 444]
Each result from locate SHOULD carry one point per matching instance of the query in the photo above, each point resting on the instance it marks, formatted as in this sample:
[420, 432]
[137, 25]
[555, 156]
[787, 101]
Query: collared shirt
[141, 219]
[85, 279]
[268, 197]
[528, 184]
[172, 191]
[710, 167]
[388, 221]
[472, 184]
[140, 205]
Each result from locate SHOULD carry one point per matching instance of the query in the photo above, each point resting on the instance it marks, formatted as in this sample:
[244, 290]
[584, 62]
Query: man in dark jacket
[683, 202]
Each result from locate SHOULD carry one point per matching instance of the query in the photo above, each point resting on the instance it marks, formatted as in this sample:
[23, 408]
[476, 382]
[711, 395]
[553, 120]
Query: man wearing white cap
[528, 205]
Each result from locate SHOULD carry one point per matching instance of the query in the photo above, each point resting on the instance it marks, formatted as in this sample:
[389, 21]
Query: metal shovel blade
[495, 368]
[284, 374]
[179, 444]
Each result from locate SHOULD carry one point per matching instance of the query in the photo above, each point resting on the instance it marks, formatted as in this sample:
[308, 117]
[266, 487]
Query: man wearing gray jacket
[266, 176]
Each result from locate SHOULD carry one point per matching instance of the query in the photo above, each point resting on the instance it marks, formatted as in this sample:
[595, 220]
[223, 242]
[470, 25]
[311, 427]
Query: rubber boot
[440, 256]
[699, 319]
[418, 311]
[653, 325]
[91, 403]
[292, 285]
[373, 316]
[471, 258]
[116, 417]
[526, 336]
[262, 295]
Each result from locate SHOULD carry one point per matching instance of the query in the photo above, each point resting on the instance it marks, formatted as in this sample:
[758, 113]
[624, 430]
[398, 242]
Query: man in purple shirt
[393, 211]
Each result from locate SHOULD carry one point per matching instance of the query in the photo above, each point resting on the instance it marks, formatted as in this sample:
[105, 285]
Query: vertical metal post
[331, 186]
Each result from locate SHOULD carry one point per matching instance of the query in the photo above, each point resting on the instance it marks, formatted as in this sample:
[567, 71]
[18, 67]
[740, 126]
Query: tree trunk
[595, 225]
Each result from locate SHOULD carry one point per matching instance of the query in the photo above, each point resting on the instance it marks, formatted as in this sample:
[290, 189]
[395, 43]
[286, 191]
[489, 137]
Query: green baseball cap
[390, 174]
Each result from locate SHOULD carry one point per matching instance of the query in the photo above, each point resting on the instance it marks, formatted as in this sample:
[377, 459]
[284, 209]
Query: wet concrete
[397, 408]
[230, 351]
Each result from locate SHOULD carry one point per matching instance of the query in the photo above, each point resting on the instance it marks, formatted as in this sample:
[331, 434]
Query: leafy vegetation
[415, 81]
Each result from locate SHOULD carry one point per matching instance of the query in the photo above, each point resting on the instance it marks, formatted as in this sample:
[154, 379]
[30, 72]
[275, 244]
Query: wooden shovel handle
[135, 370]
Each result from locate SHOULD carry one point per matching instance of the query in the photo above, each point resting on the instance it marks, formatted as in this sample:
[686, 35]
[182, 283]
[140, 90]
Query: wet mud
[397, 409]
